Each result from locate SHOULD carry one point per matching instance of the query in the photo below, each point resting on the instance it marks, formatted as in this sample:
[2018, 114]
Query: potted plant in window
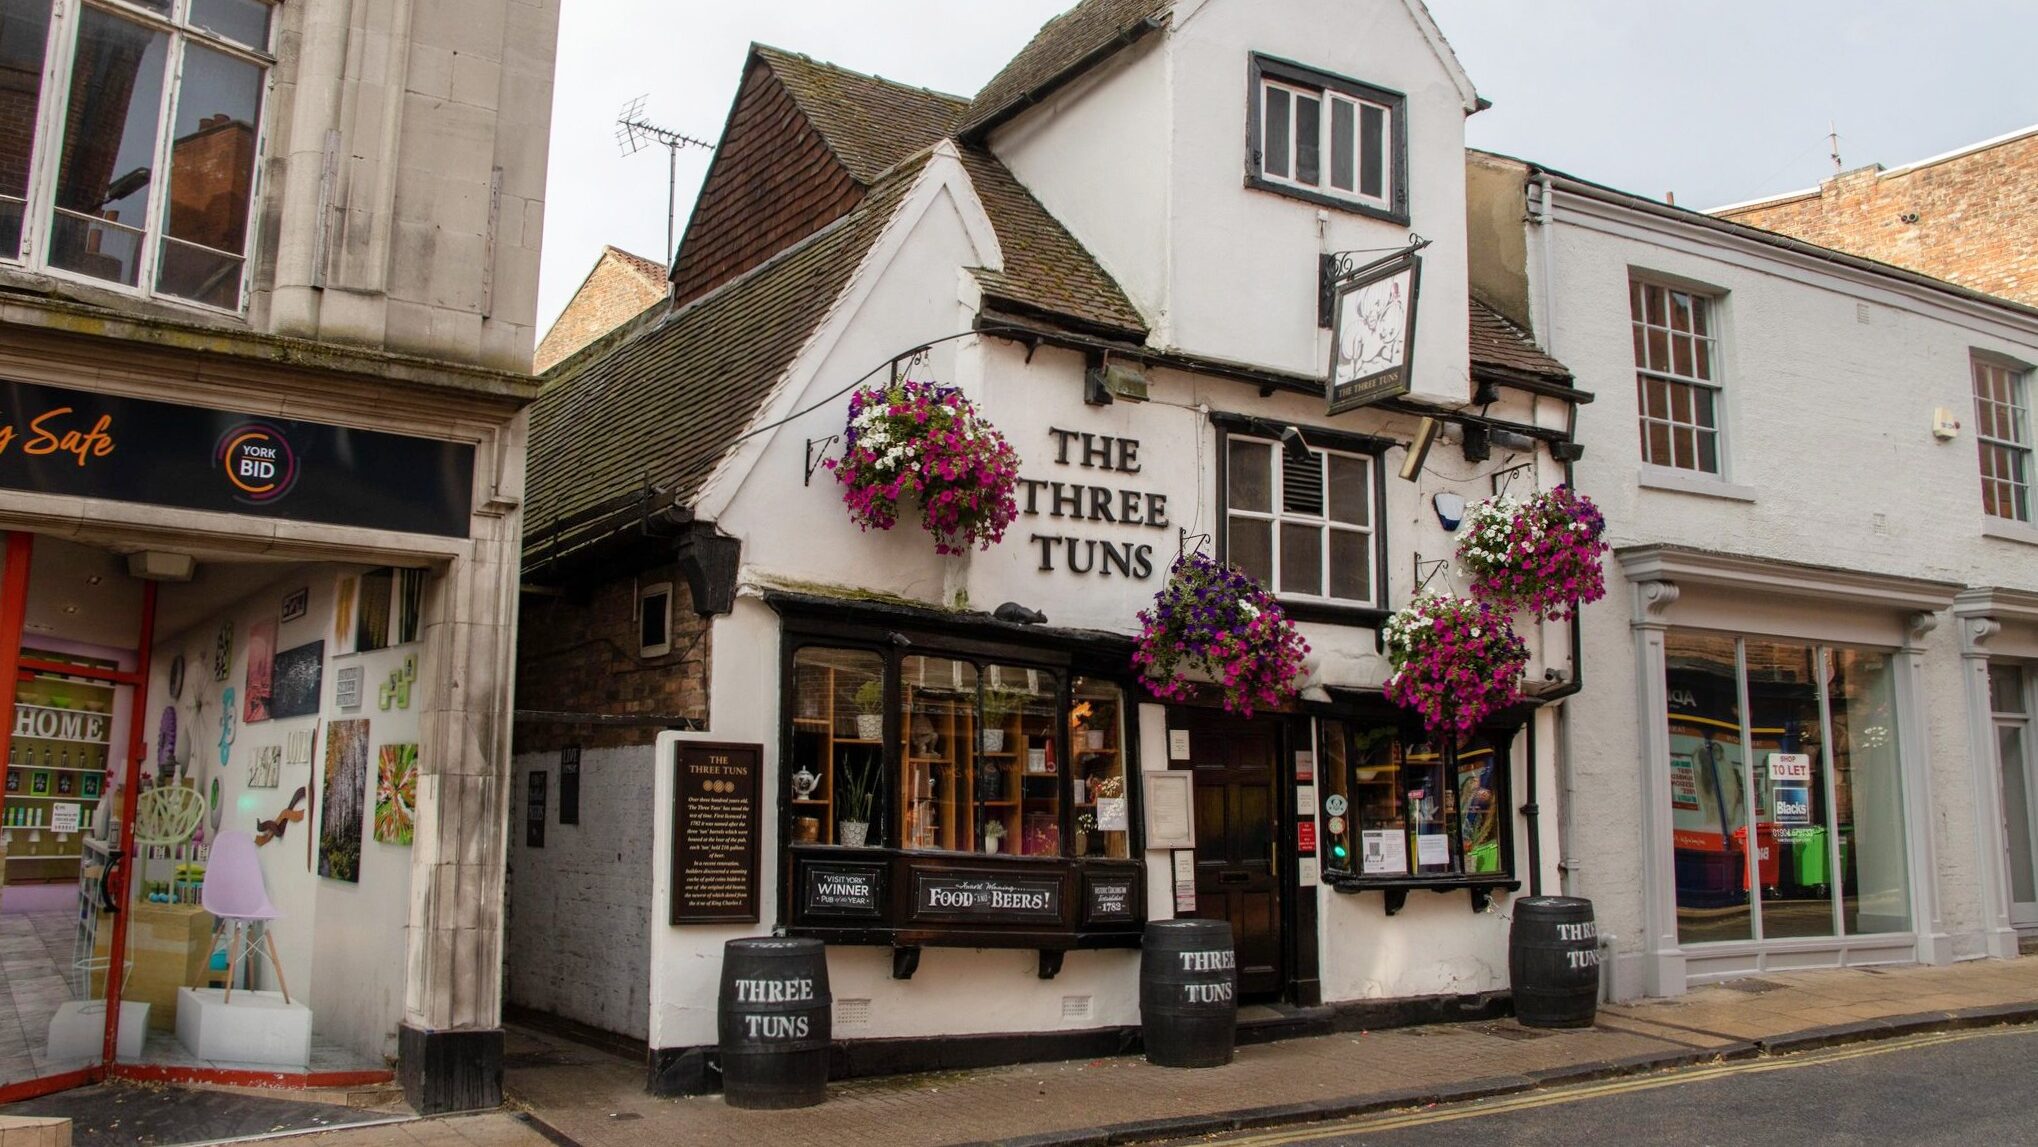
[994, 836]
[918, 442]
[1086, 831]
[859, 791]
[870, 710]
[1540, 554]
[1215, 620]
[1090, 738]
[999, 705]
[1456, 661]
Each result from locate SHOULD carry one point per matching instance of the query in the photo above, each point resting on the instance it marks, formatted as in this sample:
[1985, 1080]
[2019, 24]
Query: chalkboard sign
[844, 890]
[569, 785]
[1110, 898]
[715, 806]
[987, 897]
[534, 812]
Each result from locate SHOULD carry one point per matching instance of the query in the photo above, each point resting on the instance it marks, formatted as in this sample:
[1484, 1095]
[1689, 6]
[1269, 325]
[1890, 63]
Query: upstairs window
[2002, 431]
[1301, 523]
[1677, 376]
[130, 141]
[1328, 139]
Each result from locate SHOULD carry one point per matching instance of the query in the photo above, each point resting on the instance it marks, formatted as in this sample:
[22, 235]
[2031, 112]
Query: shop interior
[235, 742]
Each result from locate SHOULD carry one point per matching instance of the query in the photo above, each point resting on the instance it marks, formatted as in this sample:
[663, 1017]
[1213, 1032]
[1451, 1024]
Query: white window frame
[1294, 81]
[46, 154]
[1711, 384]
[1279, 517]
[661, 648]
[2018, 413]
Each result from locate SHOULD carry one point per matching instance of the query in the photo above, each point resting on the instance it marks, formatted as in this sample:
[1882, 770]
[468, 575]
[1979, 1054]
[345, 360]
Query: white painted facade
[1838, 516]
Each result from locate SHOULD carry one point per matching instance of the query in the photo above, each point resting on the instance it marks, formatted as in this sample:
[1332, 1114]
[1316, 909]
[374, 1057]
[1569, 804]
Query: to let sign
[715, 807]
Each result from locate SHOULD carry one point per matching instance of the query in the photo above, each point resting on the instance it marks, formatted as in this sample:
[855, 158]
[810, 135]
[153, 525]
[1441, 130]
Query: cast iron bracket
[1050, 963]
[905, 961]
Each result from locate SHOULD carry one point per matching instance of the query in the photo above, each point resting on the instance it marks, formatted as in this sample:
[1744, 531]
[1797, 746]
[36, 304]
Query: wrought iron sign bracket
[817, 452]
[905, 961]
[1336, 267]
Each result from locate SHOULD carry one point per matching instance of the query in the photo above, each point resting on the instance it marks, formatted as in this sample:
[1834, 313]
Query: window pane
[1277, 144]
[1701, 308]
[1868, 787]
[1704, 365]
[109, 147]
[838, 777]
[937, 739]
[1302, 559]
[1249, 476]
[1658, 306]
[1680, 404]
[2006, 688]
[1372, 151]
[1431, 798]
[1478, 805]
[212, 156]
[1351, 573]
[1342, 144]
[24, 29]
[2016, 813]
[1659, 398]
[1680, 360]
[243, 21]
[1097, 742]
[1792, 845]
[653, 617]
[1704, 400]
[1680, 311]
[1657, 447]
[199, 274]
[1250, 547]
[1686, 448]
[1022, 708]
[1659, 349]
[1378, 813]
[1302, 485]
[1708, 801]
[1308, 140]
[1351, 490]
[1709, 451]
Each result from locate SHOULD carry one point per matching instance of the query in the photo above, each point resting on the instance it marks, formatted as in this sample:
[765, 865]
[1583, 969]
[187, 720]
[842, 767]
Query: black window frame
[1316, 438]
[1261, 68]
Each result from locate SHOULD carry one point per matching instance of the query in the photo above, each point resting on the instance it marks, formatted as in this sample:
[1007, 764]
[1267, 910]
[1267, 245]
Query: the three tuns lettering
[1216, 992]
[1101, 504]
[774, 992]
[1579, 933]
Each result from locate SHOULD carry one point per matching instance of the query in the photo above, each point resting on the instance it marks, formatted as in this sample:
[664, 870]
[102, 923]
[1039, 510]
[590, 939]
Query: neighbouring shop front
[1788, 804]
[230, 746]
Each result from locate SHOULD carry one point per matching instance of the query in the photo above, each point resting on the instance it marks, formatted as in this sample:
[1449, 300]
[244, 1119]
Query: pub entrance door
[1238, 875]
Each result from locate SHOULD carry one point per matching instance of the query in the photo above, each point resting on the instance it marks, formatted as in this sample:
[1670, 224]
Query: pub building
[741, 715]
[261, 469]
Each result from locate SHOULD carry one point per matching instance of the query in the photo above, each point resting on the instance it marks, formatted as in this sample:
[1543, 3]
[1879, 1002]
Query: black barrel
[1553, 962]
[1188, 993]
[776, 1021]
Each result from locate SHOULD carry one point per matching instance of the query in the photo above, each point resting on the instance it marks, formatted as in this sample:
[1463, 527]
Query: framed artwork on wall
[261, 667]
[345, 797]
[298, 676]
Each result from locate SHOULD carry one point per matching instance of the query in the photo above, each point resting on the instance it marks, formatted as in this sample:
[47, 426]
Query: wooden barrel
[1553, 962]
[775, 1022]
[1188, 993]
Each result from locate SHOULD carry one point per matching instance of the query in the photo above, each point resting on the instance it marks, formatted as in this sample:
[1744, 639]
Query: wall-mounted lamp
[1426, 433]
[1293, 446]
[1450, 510]
[1567, 451]
[1478, 443]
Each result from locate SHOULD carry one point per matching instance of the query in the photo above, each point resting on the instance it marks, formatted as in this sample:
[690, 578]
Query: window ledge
[1332, 613]
[1397, 888]
[1686, 482]
[2008, 530]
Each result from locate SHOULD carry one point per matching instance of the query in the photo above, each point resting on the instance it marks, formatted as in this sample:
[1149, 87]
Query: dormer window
[1328, 139]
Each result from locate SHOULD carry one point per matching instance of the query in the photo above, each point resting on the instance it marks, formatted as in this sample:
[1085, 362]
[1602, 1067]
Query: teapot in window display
[804, 783]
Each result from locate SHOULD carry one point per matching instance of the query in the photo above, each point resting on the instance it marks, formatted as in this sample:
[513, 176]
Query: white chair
[238, 900]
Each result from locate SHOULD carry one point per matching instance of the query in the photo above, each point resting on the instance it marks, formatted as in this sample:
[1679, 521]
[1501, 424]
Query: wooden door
[1237, 873]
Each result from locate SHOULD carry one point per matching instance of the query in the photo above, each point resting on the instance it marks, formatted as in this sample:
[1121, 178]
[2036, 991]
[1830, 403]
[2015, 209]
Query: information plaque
[715, 816]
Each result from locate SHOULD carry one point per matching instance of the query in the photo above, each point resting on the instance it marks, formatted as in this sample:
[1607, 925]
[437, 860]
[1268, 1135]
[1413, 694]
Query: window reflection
[24, 30]
[212, 175]
[109, 148]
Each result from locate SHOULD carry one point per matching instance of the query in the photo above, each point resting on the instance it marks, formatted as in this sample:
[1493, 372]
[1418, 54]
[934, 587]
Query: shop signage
[1110, 898]
[81, 444]
[59, 724]
[569, 785]
[1373, 333]
[990, 898]
[715, 806]
[1082, 501]
[534, 812]
[843, 890]
[1305, 837]
[1790, 767]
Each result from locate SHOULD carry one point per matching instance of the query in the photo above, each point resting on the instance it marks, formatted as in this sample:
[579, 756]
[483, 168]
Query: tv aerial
[634, 133]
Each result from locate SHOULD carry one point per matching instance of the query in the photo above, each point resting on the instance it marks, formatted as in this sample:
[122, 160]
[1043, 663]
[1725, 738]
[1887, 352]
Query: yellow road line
[1392, 1121]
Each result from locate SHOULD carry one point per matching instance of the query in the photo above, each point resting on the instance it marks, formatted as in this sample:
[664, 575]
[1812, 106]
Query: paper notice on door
[1111, 814]
[1185, 881]
[1383, 852]
[1178, 744]
[1306, 873]
[1305, 800]
[1432, 850]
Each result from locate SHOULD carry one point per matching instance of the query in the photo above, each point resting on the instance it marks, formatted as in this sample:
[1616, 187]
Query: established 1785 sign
[1372, 334]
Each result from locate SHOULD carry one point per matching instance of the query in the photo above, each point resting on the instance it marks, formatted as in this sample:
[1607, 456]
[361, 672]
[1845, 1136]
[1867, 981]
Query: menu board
[715, 807]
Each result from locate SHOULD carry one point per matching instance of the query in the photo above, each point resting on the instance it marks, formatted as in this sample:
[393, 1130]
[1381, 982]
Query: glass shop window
[979, 762]
[1399, 806]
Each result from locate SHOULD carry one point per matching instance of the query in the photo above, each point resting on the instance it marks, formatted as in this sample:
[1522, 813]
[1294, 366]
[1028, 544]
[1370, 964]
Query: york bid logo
[258, 461]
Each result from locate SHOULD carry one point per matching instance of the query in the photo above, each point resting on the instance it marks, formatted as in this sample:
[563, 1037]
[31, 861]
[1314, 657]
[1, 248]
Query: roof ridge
[641, 261]
[764, 49]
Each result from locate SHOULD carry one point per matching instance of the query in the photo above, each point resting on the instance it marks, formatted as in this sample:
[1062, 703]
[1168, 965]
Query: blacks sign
[80, 444]
[988, 898]
[715, 805]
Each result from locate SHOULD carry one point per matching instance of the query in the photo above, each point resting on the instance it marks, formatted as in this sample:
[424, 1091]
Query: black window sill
[1328, 613]
[1257, 182]
[1397, 889]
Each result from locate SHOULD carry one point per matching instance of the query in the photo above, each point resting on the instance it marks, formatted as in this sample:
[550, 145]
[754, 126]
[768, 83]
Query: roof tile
[1497, 342]
[1063, 42]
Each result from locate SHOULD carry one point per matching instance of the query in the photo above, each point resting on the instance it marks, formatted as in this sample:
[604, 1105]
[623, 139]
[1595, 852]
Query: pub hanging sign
[1372, 334]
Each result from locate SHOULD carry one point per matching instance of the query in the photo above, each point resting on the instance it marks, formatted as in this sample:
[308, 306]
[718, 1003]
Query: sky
[1716, 101]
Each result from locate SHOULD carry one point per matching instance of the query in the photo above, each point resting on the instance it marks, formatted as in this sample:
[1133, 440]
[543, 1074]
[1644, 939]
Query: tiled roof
[651, 269]
[1046, 269]
[664, 407]
[1086, 30]
[871, 123]
[1497, 343]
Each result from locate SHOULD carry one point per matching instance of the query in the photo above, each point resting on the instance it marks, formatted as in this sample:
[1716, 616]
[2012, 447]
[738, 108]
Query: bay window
[131, 135]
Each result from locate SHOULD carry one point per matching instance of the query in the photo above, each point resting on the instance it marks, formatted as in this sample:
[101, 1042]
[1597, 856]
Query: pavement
[567, 1094]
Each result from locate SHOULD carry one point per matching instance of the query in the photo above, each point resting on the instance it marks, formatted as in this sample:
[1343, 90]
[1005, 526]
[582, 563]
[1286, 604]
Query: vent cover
[1302, 485]
[852, 1012]
[1075, 1008]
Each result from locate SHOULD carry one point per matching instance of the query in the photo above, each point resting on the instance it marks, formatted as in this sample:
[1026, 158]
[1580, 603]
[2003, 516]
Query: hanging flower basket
[1456, 661]
[1215, 621]
[1540, 554]
[916, 442]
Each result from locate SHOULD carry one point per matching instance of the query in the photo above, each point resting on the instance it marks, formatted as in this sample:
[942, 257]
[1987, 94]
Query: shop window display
[1403, 806]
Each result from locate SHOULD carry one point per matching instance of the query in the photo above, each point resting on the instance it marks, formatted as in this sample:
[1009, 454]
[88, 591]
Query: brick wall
[581, 656]
[1973, 219]
[619, 289]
